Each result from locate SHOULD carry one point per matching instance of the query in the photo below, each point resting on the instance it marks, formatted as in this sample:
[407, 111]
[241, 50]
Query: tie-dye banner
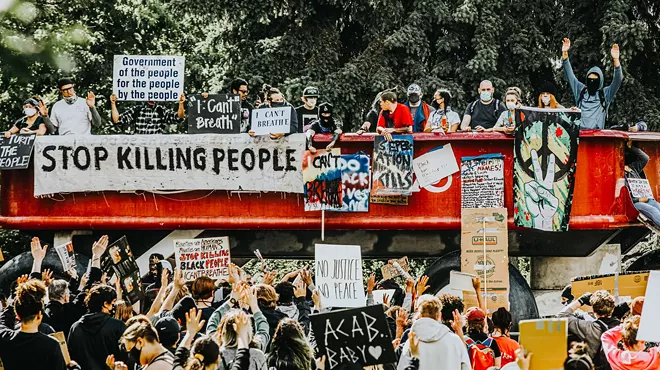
[322, 177]
[545, 151]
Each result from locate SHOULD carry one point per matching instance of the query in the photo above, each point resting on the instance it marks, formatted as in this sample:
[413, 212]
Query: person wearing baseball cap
[477, 335]
[169, 332]
[419, 109]
[325, 125]
[71, 115]
[308, 112]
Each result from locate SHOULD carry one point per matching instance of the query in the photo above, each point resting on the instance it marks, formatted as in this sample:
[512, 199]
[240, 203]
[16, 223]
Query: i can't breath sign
[148, 77]
[339, 275]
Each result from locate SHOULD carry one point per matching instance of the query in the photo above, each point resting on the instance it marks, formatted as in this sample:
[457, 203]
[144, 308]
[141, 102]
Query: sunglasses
[67, 89]
[243, 91]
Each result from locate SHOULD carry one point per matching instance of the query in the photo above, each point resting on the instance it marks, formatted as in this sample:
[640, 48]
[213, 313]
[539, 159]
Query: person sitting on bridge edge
[240, 87]
[73, 116]
[275, 99]
[326, 124]
[507, 121]
[635, 161]
[34, 121]
[148, 118]
[394, 117]
[419, 109]
[482, 114]
[593, 99]
[547, 97]
[443, 118]
[308, 112]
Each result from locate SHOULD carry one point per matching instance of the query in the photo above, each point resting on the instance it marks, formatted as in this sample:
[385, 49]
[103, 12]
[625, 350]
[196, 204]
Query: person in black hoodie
[267, 298]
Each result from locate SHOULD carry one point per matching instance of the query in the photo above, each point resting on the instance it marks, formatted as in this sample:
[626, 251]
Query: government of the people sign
[148, 77]
[167, 162]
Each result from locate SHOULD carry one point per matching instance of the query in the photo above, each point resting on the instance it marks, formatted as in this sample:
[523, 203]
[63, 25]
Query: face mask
[485, 96]
[276, 104]
[71, 100]
[414, 98]
[326, 120]
[30, 112]
[511, 105]
[593, 84]
[134, 354]
[545, 100]
[311, 102]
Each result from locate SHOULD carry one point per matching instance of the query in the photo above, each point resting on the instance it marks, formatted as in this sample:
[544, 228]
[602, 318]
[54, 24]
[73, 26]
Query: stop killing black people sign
[15, 151]
[217, 114]
[359, 335]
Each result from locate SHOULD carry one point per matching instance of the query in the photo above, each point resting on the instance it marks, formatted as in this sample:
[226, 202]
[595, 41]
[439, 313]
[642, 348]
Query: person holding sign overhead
[149, 118]
[275, 99]
[394, 117]
[73, 116]
[35, 120]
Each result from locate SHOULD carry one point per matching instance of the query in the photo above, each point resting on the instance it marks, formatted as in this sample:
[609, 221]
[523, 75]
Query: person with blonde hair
[633, 355]
[227, 337]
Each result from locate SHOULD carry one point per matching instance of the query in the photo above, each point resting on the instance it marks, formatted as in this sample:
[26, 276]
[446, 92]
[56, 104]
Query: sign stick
[485, 299]
[323, 225]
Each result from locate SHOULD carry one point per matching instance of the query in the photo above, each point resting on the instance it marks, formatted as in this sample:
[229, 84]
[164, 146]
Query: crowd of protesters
[260, 323]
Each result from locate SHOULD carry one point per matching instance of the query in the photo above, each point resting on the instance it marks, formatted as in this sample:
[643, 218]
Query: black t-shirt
[484, 115]
[372, 117]
[481, 337]
[22, 123]
[34, 351]
[246, 116]
[306, 116]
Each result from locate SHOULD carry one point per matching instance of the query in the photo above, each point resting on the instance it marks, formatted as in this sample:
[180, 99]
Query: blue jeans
[650, 209]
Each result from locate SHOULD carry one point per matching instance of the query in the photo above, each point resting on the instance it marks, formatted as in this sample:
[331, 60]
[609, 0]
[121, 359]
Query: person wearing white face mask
[507, 122]
[34, 121]
[482, 114]
[308, 113]
[547, 96]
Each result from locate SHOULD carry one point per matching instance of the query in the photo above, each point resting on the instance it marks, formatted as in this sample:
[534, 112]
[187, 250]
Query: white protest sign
[640, 188]
[380, 294]
[167, 162]
[148, 77]
[649, 326]
[461, 281]
[67, 256]
[271, 121]
[339, 275]
[435, 165]
[207, 256]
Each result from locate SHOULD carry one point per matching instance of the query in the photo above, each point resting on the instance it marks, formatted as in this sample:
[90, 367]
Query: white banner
[640, 188]
[435, 165]
[208, 256]
[148, 77]
[339, 275]
[167, 162]
[271, 121]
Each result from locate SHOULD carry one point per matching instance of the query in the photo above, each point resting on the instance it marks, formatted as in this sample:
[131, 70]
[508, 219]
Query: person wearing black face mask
[326, 124]
[419, 109]
[592, 98]
[140, 340]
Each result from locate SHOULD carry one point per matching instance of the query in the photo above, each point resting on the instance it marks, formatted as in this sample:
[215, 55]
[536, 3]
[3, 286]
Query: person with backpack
[483, 350]
[592, 98]
[148, 118]
[502, 323]
[590, 332]
[482, 114]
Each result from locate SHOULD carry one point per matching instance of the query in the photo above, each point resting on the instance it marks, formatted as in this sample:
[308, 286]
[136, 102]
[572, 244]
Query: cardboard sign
[217, 114]
[118, 259]
[435, 165]
[148, 77]
[547, 340]
[649, 326]
[360, 335]
[393, 165]
[640, 188]
[271, 120]
[493, 268]
[323, 182]
[206, 256]
[67, 256]
[15, 151]
[65, 350]
[338, 271]
[631, 284]
[390, 271]
[392, 200]
[355, 182]
[482, 181]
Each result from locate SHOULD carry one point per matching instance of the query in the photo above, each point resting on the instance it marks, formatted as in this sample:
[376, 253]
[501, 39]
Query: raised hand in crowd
[320, 362]
[104, 278]
[83, 281]
[410, 286]
[414, 344]
[234, 276]
[269, 277]
[371, 283]
[91, 99]
[98, 248]
[565, 46]
[306, 277]
[402, 322]
[316, 298]
[118, 288]
[615, 53]
[250, 298]
[38, 254]
[290, 275]
[43, 109]
[523, 359]
[194, 322]
[178, 281]
[422, 285]
[242, 329]
[181, 112]
[300, 290]
[47, 276]
[457, 323]
[22, 279]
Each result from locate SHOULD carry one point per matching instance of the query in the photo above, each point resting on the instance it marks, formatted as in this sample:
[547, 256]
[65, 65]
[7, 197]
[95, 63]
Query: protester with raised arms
[72, 115]
[148, 117]
[482, 114]
[34, 121]
[394, 118]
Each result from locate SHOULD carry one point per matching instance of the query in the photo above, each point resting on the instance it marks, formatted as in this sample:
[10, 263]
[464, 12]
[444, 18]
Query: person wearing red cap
[483, 349]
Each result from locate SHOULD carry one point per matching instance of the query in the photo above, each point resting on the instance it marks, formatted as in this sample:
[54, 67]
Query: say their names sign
[359, 335]
[217, 114]
[482, 181]
[339, 275]
[208, 256]
[15, 151]
[271, 120]
[148, 77]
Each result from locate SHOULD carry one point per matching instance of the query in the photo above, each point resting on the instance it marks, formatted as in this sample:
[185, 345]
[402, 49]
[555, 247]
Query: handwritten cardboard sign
[15, 151]
[393, 165]
[390, 271]
[217, 114]
[359, 335]
[640, 188]
[338, 270]
[482, 181]
[323, 180]
[271, 120]
[207, 256]
[148, 77]
[355, 182]
[435, 165]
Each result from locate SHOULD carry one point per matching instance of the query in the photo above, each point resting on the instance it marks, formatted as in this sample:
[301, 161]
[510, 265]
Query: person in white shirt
[72, 115]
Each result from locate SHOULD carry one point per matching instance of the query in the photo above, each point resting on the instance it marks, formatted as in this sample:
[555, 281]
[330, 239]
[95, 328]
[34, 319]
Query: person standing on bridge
[420, 111]
[308, 113]
[394, 118]
[71, 115]
[326, 124]
[443, 118]
[482, 114]
[148, 118]
[275, 99]
[35, 120]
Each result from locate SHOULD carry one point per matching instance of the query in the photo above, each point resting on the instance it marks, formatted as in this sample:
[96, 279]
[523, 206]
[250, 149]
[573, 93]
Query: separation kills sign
[167, 162]
[482, 181]
[359, 335]
[15, 151]
[338, 271]
[271, 120]
[355, 182]
[148, 77]
[217, 114]
[323, 180]
[393, 168]
[207, 256]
